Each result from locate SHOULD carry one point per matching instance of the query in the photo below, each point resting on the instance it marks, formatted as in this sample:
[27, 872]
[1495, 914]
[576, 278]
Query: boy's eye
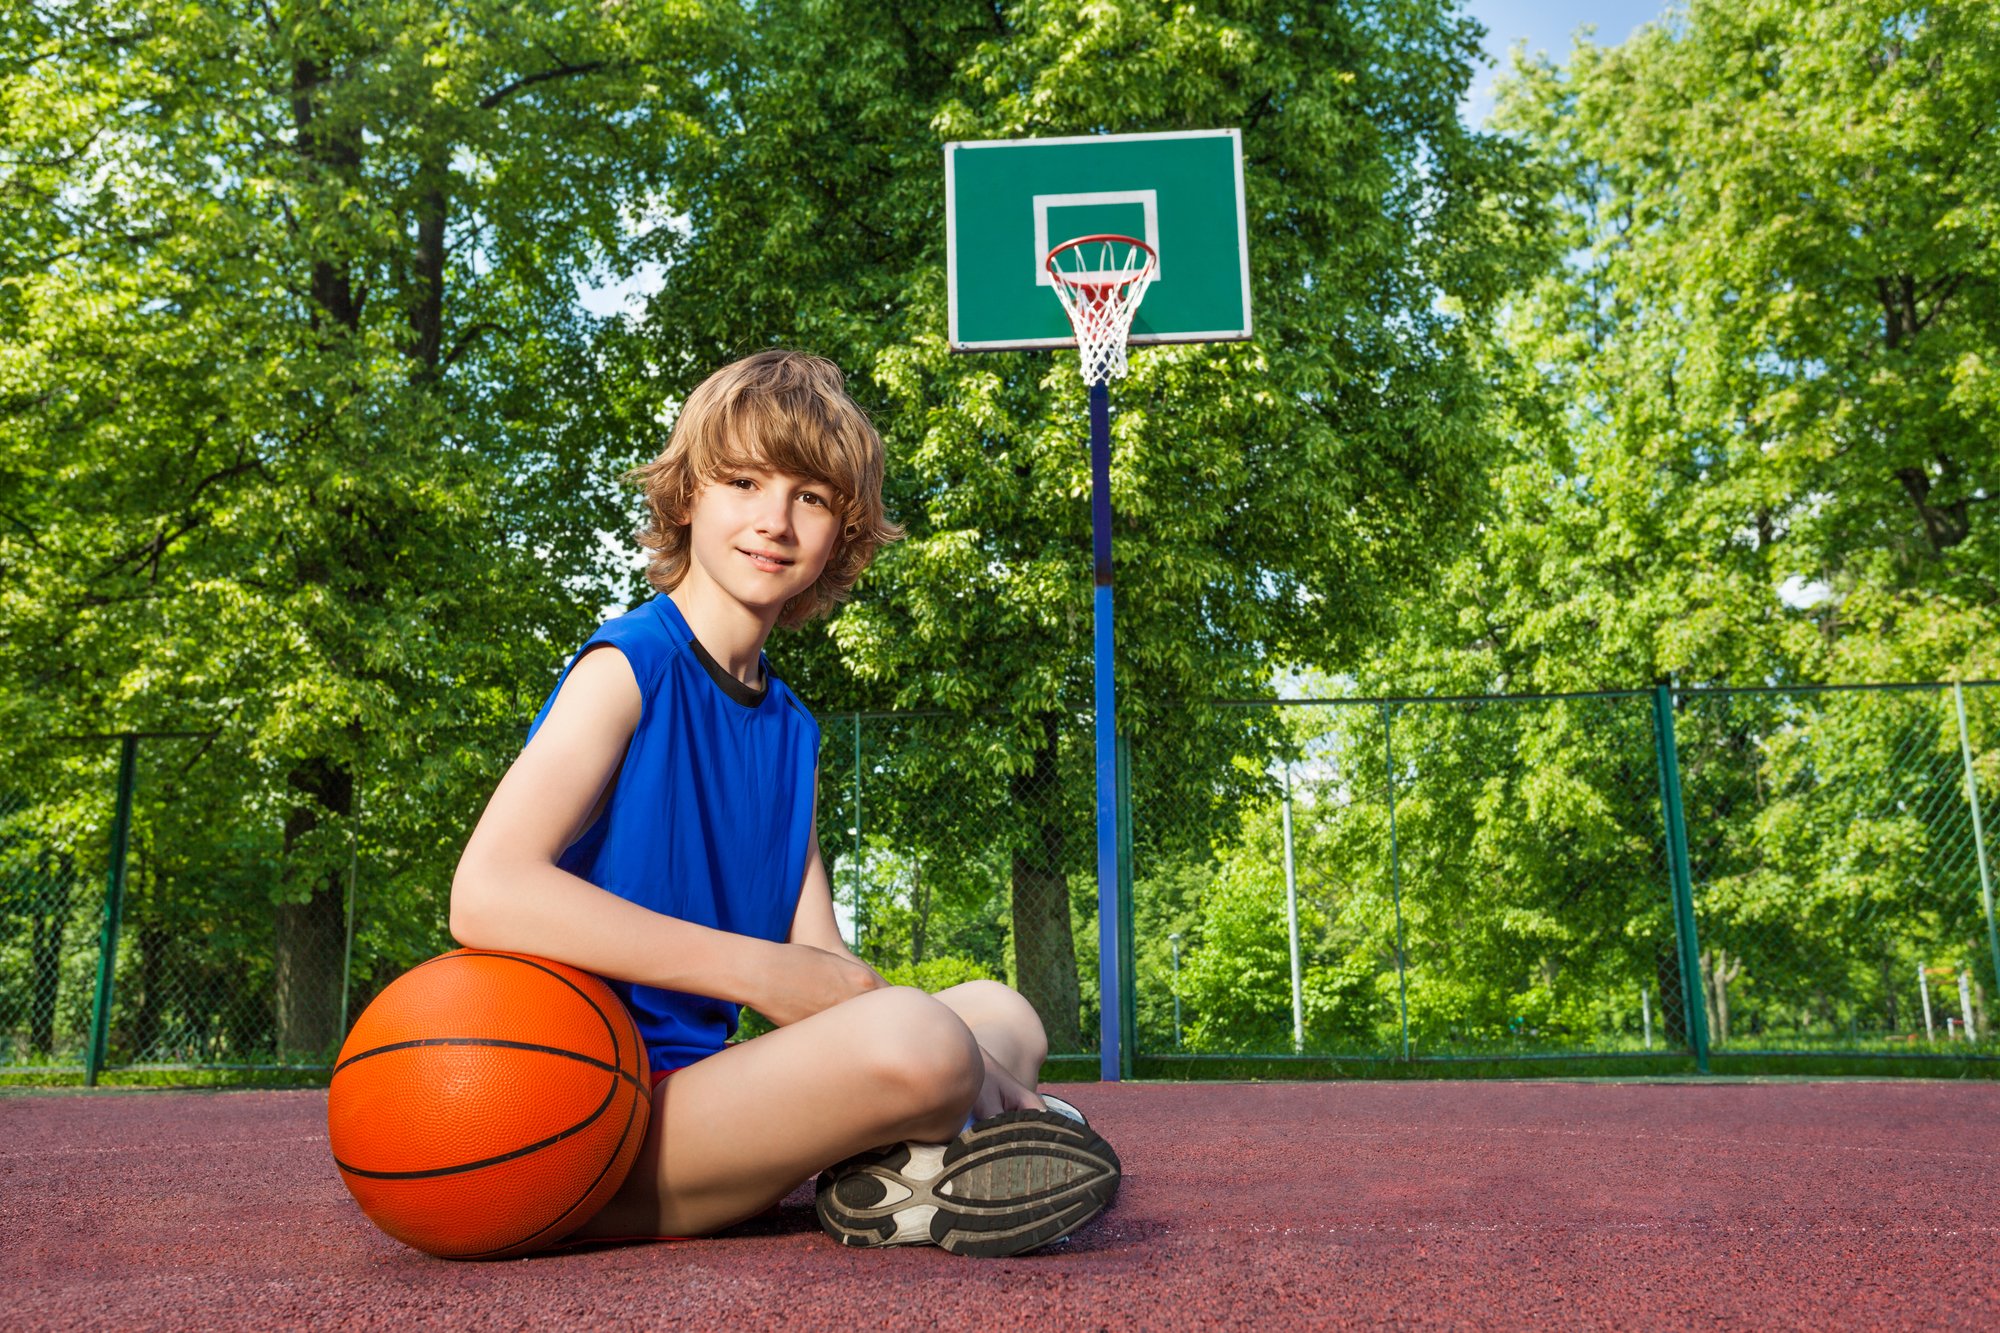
[749, 483]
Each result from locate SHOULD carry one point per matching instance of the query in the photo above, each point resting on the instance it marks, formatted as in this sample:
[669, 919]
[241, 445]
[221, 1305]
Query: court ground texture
[1491, 1205]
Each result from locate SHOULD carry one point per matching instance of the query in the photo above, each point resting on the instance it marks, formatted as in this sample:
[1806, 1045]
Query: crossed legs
[738, 1131]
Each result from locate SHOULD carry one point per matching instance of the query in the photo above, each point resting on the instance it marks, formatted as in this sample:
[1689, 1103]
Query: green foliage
[1740, 442]
[1750, 436]
[1688, 372]
[936, 974]
[1273, 500]
[299, 443]
[1166, 898]
[1838, 858]
[1832, 851]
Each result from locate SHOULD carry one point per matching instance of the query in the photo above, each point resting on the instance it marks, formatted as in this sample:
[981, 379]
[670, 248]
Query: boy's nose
[775, 514]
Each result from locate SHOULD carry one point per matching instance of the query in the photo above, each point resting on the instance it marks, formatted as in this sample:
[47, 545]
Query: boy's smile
[767, 561]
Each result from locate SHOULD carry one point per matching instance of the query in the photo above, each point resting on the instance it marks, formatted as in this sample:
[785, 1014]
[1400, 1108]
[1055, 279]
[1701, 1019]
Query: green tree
[1519, 904]
[1752, 434]
[1747, 440]
[1274, 500]
[298, 409]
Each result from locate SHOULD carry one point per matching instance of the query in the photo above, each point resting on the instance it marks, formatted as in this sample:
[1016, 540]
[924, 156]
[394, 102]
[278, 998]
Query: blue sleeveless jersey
[710, 817]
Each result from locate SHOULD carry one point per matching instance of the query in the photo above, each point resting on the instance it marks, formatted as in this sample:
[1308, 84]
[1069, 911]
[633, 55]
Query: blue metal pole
[1128, 1008]
[1110, 990]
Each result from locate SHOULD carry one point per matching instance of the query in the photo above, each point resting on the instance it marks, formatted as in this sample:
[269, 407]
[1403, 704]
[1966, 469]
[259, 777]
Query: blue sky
[1547, 25]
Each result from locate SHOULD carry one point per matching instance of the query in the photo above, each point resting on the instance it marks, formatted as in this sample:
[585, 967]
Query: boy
[658, 829]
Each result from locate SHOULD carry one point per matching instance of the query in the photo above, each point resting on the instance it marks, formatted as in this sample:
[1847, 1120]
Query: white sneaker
[1056, 1104]
[1007, 1185]
[1061, 1107]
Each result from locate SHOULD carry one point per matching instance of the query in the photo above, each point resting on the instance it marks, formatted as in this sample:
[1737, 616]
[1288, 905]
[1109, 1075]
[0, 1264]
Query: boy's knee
[922, 1050]
[997, 1002]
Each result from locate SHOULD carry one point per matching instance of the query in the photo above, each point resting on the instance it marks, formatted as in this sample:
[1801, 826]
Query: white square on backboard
[1147, 199]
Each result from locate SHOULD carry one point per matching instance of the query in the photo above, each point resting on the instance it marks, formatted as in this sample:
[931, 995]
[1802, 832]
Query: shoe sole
[1005, 1186]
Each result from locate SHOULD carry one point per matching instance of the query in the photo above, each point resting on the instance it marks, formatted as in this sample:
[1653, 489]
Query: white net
[1101, 280]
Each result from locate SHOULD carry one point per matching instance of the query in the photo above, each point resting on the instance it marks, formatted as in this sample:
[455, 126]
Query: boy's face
[763, 537]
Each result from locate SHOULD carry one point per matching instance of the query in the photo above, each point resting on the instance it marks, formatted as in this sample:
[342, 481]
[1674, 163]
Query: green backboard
[1009, 201]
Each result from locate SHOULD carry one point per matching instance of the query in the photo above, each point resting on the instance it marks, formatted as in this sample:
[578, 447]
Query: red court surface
[1494, 1205]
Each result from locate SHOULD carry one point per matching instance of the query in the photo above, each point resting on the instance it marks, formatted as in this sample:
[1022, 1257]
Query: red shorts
[660, 1075]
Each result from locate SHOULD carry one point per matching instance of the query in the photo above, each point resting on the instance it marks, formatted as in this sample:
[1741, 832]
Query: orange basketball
[486, 1104]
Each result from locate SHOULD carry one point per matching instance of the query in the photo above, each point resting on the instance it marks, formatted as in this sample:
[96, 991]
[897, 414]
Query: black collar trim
[734, 688]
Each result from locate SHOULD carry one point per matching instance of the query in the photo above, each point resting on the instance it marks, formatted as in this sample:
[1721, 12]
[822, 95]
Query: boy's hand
[809, 980]
[1000, 1092]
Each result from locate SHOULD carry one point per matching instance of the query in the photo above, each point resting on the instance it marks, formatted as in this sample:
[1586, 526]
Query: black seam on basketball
[499, 1042]
[535, 1239]
[431, 1172]
[611, 1029]
[563, 1221]
[614, 1028]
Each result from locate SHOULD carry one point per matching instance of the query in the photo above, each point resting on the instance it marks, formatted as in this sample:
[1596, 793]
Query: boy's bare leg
[1009, 1032]
[738, 1131]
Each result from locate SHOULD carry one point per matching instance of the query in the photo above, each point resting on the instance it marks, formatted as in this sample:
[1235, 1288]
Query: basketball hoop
[1101, 280]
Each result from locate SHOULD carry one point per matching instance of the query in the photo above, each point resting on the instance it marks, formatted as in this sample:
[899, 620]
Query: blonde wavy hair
[783, 410]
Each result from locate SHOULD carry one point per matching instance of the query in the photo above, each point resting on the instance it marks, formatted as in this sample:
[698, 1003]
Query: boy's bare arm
[813, 921]
[509, 893]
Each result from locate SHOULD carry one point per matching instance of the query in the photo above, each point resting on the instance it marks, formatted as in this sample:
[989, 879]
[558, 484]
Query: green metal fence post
[114, 909]
[1396, 881]
[1128, 985]
[1978, 830]
[1694, 1013]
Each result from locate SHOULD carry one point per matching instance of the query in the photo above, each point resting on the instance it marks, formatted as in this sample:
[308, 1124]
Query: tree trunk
[1705, 969]
[1044, 949]
[1722, 979]
[312, 933]
[1717, 971]
[311, 942]
[1673, 1005]
[310, 918]
[427, 307]
[338, 152]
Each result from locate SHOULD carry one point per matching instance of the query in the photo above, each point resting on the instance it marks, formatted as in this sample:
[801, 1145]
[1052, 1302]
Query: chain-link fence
[1768, 871]
[173, 902]
[1617, 874]
[52, 859]
[1843, 885]
[962, 847]
[1475, 877]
